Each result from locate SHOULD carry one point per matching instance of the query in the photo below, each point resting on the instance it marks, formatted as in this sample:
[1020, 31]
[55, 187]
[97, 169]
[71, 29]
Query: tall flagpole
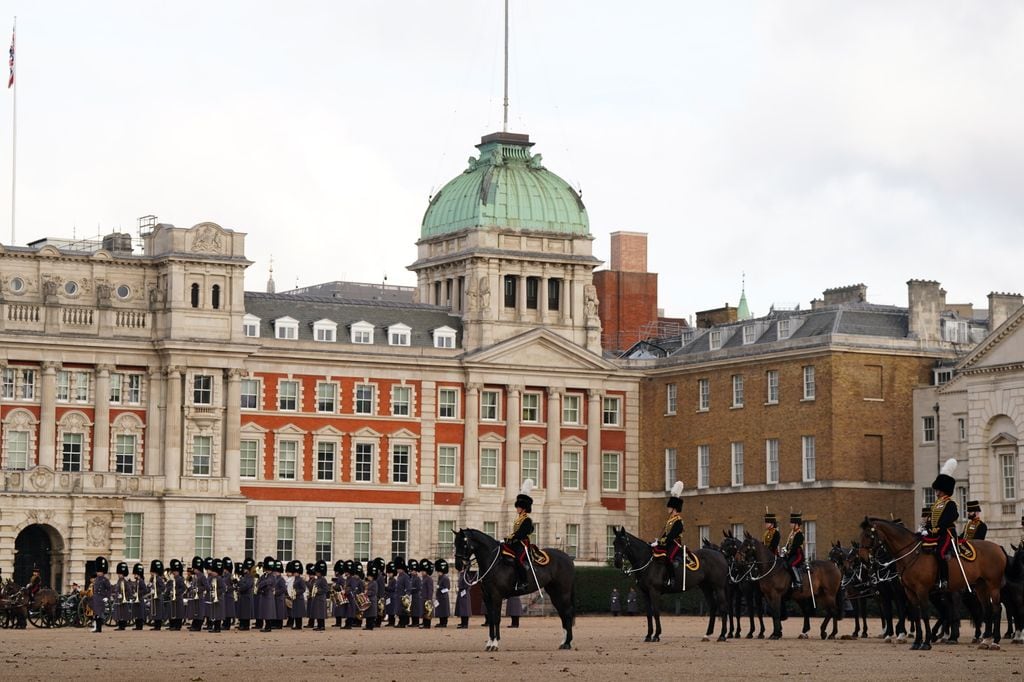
[504, 127]
[14, 129]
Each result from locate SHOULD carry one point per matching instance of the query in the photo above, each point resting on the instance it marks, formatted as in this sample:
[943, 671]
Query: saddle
[692, 560]
[537, 555]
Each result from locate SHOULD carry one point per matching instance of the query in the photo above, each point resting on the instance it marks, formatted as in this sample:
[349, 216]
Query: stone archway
[39, 545]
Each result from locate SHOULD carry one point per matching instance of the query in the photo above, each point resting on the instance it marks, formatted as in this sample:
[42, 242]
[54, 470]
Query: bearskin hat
[176, 565]
[441, 566]
[944, 482]
[101, 565]
[523, 499]
[796, 517]
[156, 566]
[138, 570]
[122, 568]
[674, 500]
[427, 565]
[197, 562]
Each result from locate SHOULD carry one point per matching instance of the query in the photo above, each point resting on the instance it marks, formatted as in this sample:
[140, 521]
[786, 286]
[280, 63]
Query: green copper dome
[507, 187]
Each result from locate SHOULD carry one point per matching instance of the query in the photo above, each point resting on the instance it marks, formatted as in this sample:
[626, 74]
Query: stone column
[564, 312]
[471, 445]
[513, 416]
[172, 430]
[542, 295]
[48, 416]
[554, 447]
[521, 294]
[101, 420]
[594, 447]
[153, 463]
[232, 430]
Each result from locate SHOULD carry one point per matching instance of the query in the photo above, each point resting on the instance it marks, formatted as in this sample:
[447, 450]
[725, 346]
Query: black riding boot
[157, 624]
[943, 572]
[797, 583]
[521, 579]
[463, 623]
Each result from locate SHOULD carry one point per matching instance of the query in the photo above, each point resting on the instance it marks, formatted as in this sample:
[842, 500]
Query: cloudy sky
[808, 144]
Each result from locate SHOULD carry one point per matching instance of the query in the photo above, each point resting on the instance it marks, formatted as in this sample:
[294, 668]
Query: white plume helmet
[528, 487]
[677, 489]
[949, 468]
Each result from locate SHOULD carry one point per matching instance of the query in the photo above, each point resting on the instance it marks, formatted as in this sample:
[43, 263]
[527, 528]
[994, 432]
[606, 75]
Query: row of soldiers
[216, 593]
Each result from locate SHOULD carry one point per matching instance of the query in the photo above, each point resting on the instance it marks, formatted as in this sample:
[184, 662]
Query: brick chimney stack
[927, 300]
[629, 251]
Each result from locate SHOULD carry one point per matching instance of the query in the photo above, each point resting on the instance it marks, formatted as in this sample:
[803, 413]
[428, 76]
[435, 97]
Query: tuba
[428, 608]
[406, 604]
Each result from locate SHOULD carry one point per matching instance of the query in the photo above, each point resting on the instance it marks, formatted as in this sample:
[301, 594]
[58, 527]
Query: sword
[534, 572]
[684, 568]
[810, 584]
[959, 561]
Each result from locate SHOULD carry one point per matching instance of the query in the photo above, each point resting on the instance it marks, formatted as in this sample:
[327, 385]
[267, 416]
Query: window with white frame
[783, 330]
[531, 408]
[611, 411]
[488, 466]
[125, 453]
[324, 547]
[671, 467]
[18, 384]
[809, 388]
[285, 537]
[365, 398]
[401, 463]
[250, 537]
[7, 383]
[362, 530]
[71, 451]
[202, 389]
[703, 535]
[72, 386]
[202, 455]
[445, 539]
[491, 528]
[703, 466]
[609, 542]
[489, 402]
[287, 459]
[251, 326]
[204, 535]
[610, 470]
[737, 464]
[325, 331]
[529, 465]
[248, 456]
[749, 334]
[771, 460]
[928, 429]
[399, 537]
[63, 393]
[671, 396]
[401, 401]
[810, 540]
[132, 389]
[961, 428]
[808, 457]
[250, 392]
[737, 390]
[961, 496]
[772, 377]
[737, 530]
[447, 463]
[929, 496]
[286, 328]
[715, 339]
[287, 395]
[363, 465]
[327, 397]
[133, 536]
[1008, 467]
[399, 334]
[326, 458]
[571, 408]
[447, 403]
[703, 395]
[17, 446]
[362, 332]
[572, 539]
[444, 337]
[571, 469]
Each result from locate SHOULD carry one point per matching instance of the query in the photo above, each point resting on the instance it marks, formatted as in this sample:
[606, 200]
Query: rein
[630, 571]
[469, 563]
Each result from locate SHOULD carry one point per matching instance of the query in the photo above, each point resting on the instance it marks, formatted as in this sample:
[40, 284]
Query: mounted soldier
[942, 525]
[975, 528]
[771, 532]
[518, 541]
[794, 551]
[667, 547]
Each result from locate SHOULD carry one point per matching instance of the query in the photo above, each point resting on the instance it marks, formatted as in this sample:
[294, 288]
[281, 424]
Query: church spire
[742, 311]
[270, 278]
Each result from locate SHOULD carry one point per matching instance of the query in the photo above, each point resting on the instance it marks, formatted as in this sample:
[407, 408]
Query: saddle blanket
[537, 555]
[967, 551]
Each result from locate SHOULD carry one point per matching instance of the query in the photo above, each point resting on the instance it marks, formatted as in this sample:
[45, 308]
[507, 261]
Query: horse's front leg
[650, 618]
[492, 606]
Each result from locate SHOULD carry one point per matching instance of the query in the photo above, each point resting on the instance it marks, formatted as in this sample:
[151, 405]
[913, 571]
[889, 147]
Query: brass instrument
[122, 583]
[428, 608]
[406, 604]
[380, 605]
[213, 587]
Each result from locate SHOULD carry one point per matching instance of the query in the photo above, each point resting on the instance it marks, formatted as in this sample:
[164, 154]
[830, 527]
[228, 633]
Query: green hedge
[594, 589]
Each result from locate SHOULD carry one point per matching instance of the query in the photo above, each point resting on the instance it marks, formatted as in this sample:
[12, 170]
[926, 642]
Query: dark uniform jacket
[215, 601]
[444, 605]
[522, 529]
[318, 590]
[199, 595]
[267, 608]
[975, 529]
[463, 607]
[403, 588]
[244, 592]
[280, 592]
[670, 538]
[299, 600]
[124, 596]
[174, 596]
[427, 593]
[942, 525]
[795, 548]
[418, 597]
[157, 607]
[141, 599]
[371, 594]
[771, 540]
[102, 591]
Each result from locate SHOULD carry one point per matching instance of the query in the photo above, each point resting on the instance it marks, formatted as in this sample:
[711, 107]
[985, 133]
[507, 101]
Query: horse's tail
[572, 601]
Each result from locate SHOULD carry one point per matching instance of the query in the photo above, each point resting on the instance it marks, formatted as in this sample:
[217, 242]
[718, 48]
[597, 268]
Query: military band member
[102, 591]
[514, 610]
[319, 589]
[174, 596]
[244, 592]
[353, 586]
[267, 602]
[794, 551]
[280, 592]
[942, 525]
[771, 532]
[403, 591]
[371, 615]
[298, 611]
[227, 583]
[141, 596]
[427, 592]
[310, 579]
[463, 607]
[198, 593]
[337, 587]
[443, 610]
[975, 528]
[124, 594]
[415, 592]
[157, 584]
[215, 608]
[522, 528]
[391, 593]
[667, 547]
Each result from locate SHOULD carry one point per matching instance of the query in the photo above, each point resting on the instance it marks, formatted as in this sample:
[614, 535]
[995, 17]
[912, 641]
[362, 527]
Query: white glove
[436, 603]
[654, 544]
[462, 593]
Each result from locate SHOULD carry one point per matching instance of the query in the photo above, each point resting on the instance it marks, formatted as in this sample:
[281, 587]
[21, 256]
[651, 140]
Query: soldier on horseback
[942, 524]
[667, 547]
[519, 540]
[975, 528]
[794, 551]
[771, 532]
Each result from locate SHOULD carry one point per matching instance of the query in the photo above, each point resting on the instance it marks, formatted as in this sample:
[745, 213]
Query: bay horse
[741, 590]
[985, 575]
[772, 576]
[497, 580]
[711, 577]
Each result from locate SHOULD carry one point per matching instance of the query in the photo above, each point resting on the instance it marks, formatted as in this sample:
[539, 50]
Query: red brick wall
[627, 304]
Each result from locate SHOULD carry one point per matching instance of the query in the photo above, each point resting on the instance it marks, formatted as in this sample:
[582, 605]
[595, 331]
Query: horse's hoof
[915, 646]
[845, 637]
[656, 639]
[750, 635]
[926, 647]
[775, 637]
[761, 636]
[647, 638]
[832, 635]
[803, 635]
[721, 639]
[563, 647]
[705, 638]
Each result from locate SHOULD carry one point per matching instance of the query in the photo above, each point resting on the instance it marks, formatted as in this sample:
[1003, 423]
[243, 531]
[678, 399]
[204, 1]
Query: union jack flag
[10, 81]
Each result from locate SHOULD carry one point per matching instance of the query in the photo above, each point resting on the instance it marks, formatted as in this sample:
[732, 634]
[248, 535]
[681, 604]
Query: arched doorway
[39, 545]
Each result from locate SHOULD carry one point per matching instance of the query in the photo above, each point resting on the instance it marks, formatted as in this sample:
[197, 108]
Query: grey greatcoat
[157, 607]
[228, 594]
[337, 583]
[215, 602]
[513, 606]
[418, 597]
[102, 591]
[391, 597]
[444, 605]
[124, 596]
[141, 600]
[353, 585]
[174, 597]
[266, 608]
[243, 603]
[299, 600]
[198, 596]
[371, 594]
[280, 591]
[463, 607]
[382, 584]
[427, 592]
[403, 587]
[318, 599]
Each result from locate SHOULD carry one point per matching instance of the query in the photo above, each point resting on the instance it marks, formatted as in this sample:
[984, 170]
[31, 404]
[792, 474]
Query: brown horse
[45, 602]
[773, 578]
[918, 574]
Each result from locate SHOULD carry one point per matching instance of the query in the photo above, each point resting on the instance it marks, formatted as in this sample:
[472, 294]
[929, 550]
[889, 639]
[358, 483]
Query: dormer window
[444, 337]
[362, 332]
[783, 330]
[715, 339]
[286, 328]
[251, 326]
[399, 334]
[749, 334]
[325, 330]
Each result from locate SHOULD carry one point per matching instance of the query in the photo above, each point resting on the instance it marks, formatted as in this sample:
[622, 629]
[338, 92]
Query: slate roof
[421, 318]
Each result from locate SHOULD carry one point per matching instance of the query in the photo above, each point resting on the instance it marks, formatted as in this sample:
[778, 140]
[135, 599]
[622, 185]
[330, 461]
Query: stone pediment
[1004, 439]
[539, 349]
[1003, 348]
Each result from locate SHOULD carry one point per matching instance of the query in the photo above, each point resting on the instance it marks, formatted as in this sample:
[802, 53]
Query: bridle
[466, 559]
[619, 557]
[751, 548]
[875, 544]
